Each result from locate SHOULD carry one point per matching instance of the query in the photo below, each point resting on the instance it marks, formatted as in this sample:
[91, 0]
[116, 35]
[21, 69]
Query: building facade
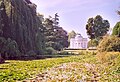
[78, 42]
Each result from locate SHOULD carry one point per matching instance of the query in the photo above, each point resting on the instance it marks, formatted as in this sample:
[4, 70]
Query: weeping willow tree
[20, 27]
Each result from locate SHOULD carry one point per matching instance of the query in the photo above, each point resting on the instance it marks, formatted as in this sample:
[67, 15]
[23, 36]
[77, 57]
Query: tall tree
[20, 27]
[97, 27]
[61, 38]
[60, 34]
[56, 36]
[49, 32]
[4, 23]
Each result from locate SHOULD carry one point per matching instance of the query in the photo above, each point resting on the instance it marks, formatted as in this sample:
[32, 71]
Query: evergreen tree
[49, 33]
[60, 34]
[61, 38]
[56, 36]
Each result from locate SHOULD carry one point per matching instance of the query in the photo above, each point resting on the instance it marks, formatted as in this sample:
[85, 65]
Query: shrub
[9, 48]
[93, 43]
[31, 53]
[1, 59]
[50, 51]
[109, 43]
[64, 53]
[107, 56]
[116, 29]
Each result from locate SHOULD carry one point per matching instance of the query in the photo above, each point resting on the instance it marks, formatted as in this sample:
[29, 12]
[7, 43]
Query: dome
[78, 36]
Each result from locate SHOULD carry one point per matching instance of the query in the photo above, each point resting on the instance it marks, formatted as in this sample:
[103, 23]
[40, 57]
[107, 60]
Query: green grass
[19, 70]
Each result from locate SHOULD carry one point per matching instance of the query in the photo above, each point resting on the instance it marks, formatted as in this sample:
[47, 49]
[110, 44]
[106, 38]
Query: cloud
[47, 3]
[67, 6]
[53, 3]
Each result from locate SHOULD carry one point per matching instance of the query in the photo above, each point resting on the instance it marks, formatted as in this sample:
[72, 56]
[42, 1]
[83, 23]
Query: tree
[97, 27]
[21, 29]
[1, 59]
[72, 34]
[60, 34]
[4, 23]
[61, 38]
[28, 1]
[49, 33]
[9, 48]
[56, 20]
[56, 36]
[116, 29]
[118, 12]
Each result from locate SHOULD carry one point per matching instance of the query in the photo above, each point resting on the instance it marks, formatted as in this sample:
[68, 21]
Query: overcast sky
[75, 13]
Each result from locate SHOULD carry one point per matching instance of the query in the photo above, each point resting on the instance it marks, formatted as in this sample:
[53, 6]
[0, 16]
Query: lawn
[13, 70]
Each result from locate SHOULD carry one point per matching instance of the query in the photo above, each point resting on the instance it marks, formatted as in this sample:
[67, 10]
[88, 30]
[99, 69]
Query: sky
[73, 14]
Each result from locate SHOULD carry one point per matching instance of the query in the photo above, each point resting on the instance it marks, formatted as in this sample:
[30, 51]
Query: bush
[93, 43]
[1, 59]
[107, 56]
[116, 29]
[9, 48]
[31, 53]
[109, 43]
[50, 51]
[63, 53]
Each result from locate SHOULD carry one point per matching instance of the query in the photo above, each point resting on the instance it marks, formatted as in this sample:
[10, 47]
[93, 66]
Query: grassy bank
[20, 70]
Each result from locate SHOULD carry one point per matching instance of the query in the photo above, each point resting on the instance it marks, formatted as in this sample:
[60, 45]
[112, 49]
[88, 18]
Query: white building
[78, 42]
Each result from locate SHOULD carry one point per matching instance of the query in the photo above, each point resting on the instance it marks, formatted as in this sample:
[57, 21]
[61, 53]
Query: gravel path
[69, 72]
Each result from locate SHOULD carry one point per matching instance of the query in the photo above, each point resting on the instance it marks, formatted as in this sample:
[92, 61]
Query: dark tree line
[23, 32]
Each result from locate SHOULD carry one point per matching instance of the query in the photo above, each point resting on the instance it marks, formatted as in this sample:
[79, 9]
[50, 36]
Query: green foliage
[97, 27]
[31, 53]
[116, 29]
[107, 56]
[9, 48]
[55, 36]
[87, 65]
[2, 60]
[50, 50]
[4, 21]
[20, 22]
[61, 38]
[20, 70]
[93, 43]
[109, 43]
[64, 53]
[49, 33]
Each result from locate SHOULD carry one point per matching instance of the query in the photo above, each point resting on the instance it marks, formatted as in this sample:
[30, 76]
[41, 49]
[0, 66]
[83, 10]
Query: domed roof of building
[78, 36]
